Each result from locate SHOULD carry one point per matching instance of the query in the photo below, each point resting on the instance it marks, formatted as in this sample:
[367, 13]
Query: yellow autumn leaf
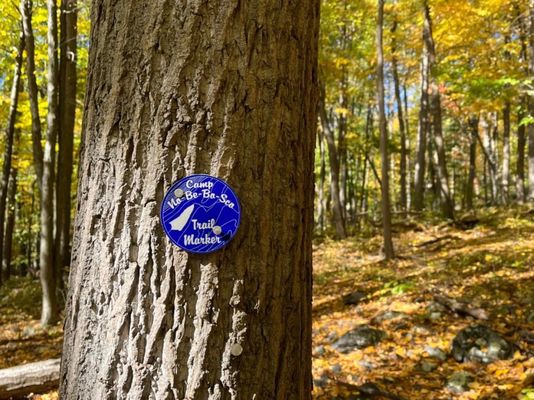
[501, 371]
[400, 351]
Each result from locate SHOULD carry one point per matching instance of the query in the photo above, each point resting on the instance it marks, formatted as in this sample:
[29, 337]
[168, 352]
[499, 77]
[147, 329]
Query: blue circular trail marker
[200, 213]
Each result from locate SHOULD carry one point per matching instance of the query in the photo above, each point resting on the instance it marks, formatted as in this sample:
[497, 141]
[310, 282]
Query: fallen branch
[461, 308]
[37, 377]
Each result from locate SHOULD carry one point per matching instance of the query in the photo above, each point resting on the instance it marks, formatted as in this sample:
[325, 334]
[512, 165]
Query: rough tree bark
[226, 88]
[434, 98]
[10, 135]
[49, 312]
[386, 206]
[67, 110]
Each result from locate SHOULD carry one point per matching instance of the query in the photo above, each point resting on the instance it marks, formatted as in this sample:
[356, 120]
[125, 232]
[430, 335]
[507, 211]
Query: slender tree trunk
[342, 154]
[530, 127]
[386, 206]
[520, 162]
[10, 223]
[408, 150]
[30, 230]
[400, 115]
[10, 135]
[505, 182]
[33, 93]
[485, 180]
[363, 190]
[50, 312]
[470, 187]
[167, 98]
[321, 203]
[489, 154]
[494, 152]
[338, 221]
[67, 110]
[435, 111]
[422, 136]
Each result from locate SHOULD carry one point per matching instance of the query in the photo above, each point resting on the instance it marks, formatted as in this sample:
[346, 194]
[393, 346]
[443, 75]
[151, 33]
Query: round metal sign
[200, 213]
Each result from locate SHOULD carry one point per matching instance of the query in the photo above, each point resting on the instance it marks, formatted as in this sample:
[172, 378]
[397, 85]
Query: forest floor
[486, 268]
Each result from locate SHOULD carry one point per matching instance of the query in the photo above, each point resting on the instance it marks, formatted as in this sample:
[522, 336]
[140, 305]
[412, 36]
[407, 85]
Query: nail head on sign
[217, 230]
[179, 193]
[236, 349]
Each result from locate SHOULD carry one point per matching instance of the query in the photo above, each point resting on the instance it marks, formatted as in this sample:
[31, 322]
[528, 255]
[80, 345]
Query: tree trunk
[222, 88]
[67, 110]
[50, 312]
[400, 116]
[33, 93]
[490, 158]
[493, 147]
[435, 111]
[386, 206]
[522, 109]
[363, 192]
[10, 223]
[10, 135]
[407, 149]
[338, 221]
[422, 136]
[520, 162]
[342, 156]
[321, 203]
[505, 178]
[470, 187]
[530, 126]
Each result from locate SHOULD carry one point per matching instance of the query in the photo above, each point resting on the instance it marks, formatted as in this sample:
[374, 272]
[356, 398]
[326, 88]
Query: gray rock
[389, 315]
[322, 381]
[28, 332]
[336, 368]
[366, 364]
[358, 338]
[354, 298]
[459, 382]
[319, 350]
[434, 316]
[480, 344]
[435, 307]
[421, 330]
[427, 366]
[332, 337]
[436, 353]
